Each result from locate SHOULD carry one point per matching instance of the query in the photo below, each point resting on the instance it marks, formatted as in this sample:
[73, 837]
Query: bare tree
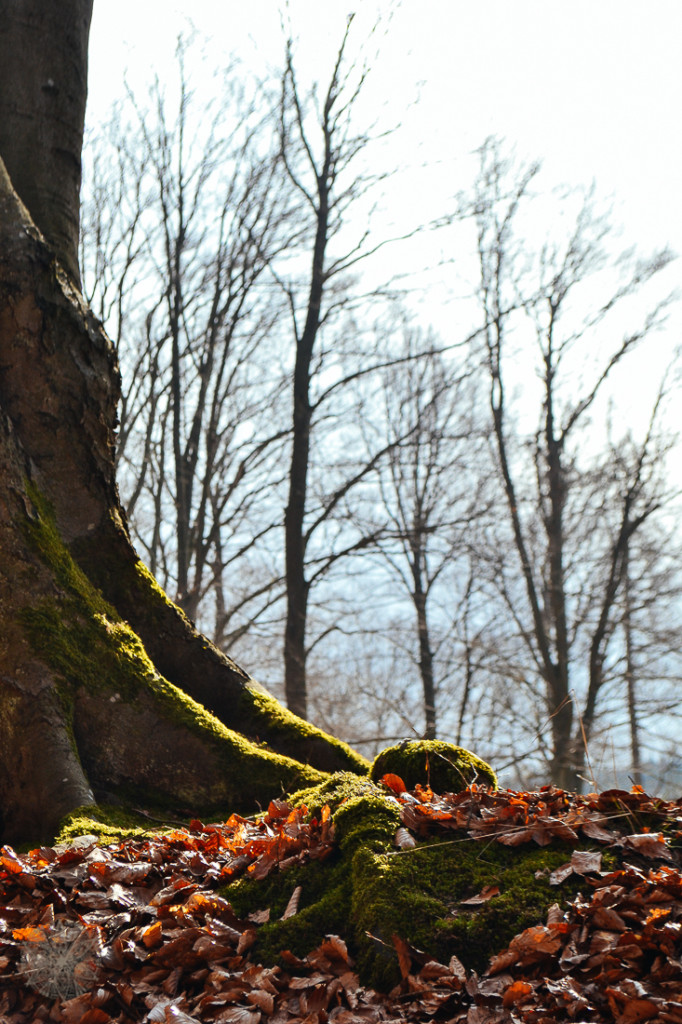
[648, 637]
[571, 566]
[176, 242]
[430, 497]
[320, 147]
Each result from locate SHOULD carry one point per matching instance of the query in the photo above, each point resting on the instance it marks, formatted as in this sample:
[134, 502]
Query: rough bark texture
[84, 705]
[43, 88]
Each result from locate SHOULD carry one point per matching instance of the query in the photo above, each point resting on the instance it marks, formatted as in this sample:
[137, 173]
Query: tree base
[105, 686]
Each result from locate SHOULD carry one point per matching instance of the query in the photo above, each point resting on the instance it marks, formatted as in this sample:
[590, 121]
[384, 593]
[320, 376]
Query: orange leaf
[517, 993]
[394, 783]
[403, 951]
[10, 862]
[151, 934]
[29, 934]
[95, 1016]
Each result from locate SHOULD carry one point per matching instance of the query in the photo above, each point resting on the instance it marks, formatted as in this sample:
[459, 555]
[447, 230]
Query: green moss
[90, 648]
[45, 538]
[324, 905]
[364, 818]
[446, 768]
[125, 578]
[417, 894]
[335, 790]
[367, 891]
[110, 824]
[278, 723]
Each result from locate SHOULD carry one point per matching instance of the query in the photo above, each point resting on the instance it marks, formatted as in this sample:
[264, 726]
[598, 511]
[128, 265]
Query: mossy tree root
[188, 659]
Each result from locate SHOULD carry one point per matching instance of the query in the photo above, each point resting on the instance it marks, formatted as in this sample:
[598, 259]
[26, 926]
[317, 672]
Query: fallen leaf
[649, 845]
[560, 874]
[29, 934]
[482, 897]
[394, 783]
[404, 958]
[586, 862]
[292, 905]
[516, 994]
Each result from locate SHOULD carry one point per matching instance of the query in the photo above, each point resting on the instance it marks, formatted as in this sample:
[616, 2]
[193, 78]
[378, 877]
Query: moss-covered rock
[443, 766]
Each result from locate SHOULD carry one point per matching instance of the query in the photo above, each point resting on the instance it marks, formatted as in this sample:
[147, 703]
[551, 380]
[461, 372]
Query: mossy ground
[368, 890]
[417, 894]
[108, 823]
[365, 819]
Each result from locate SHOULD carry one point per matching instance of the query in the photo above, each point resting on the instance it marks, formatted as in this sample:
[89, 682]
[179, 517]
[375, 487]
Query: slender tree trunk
[562, 767]
[295, 683]
[468, 663]
[568, 758]
[419, 597]
[630, 675]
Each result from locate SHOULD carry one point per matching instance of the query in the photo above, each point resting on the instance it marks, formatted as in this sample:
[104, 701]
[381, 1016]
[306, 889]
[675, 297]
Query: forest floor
[139, 930]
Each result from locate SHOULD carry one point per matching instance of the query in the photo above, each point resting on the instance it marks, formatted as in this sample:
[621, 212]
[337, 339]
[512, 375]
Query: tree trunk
[295, 680]
[419, 597]
[630, 674]
[94, 658]
[43, 88]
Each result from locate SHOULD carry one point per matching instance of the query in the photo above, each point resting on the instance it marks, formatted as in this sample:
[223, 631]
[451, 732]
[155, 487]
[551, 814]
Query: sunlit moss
[108, 824]
[91, 648]
[443, 766]
[279, 725]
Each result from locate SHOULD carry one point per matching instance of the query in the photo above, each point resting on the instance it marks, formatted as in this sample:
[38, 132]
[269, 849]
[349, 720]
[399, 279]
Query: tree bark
[295, 682]
[43, 89]
[419, 598]
[630, 671]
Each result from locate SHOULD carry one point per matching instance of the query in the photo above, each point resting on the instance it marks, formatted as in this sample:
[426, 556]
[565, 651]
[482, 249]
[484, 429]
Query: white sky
[594, 87]
[591, 87]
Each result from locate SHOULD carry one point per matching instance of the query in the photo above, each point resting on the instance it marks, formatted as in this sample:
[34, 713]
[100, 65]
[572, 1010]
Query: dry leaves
[135, 932]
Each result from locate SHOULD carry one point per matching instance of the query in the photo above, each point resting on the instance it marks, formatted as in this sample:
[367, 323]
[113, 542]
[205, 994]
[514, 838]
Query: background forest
[403, 526]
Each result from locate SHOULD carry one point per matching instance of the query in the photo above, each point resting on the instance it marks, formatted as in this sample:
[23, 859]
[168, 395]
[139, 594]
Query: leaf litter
[136, 931]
